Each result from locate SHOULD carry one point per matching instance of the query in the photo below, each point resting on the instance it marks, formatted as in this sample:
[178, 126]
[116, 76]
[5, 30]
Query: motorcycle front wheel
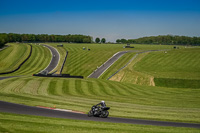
[104, 114]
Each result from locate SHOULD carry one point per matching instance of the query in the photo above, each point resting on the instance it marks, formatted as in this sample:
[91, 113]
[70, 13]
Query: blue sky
[111, 19]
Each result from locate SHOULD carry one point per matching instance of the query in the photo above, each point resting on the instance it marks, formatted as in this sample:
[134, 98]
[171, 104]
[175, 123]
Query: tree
[3, 39]
[87, 40]
[118, 41]
[103, 40]
[97, 40]
[123, 41]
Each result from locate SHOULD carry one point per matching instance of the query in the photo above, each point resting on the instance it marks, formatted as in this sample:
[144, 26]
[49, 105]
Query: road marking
[65, 110]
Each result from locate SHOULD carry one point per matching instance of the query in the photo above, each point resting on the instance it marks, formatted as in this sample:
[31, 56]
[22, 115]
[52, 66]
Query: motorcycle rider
[95, 108]
[102, 103]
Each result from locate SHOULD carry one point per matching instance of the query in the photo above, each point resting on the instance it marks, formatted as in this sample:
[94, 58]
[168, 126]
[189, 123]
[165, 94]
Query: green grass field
[31, 124]
[84, 62]
[129, 75]
[13, 56]
[38, 61]
[177, 64]
[126, 100]
[133, 96]
[176, 68]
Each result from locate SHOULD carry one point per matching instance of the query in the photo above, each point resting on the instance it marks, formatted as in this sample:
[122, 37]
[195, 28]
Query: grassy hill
[175, 68]
[125, 100]
[129, 75]
[138, 100]
[180, 63]
[13, 56]
[84, 62]
[38, 61]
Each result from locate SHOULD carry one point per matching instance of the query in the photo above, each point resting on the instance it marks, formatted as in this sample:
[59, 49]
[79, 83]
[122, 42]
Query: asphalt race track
[54, 60]
[106, 65]
[30, 110]
[1, 78]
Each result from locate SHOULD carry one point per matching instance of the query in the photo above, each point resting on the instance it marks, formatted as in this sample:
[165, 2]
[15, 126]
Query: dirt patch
[152, 83]
[118, 77]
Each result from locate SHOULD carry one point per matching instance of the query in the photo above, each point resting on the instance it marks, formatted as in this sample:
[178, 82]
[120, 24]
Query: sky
[110, 19]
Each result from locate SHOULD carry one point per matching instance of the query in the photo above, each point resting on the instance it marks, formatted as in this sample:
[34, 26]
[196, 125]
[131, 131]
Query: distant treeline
[12, 37]
[165, 39]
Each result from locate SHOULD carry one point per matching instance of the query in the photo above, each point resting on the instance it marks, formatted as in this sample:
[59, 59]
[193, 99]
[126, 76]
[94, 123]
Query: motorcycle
[99, 111]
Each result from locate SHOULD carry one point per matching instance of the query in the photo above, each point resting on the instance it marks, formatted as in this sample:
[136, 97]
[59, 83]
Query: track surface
[29, 110]
[1, 78]
[54, 60]
[106, 65]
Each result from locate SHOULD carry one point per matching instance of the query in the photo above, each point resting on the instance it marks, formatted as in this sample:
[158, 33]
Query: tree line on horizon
[13, 37]
[163, 39]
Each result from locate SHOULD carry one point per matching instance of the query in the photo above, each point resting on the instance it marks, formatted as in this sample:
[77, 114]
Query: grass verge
[177, 83]
[26, 123]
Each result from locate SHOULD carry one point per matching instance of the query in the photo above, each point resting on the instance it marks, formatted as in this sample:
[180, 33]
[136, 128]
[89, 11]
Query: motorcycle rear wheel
[90, 113]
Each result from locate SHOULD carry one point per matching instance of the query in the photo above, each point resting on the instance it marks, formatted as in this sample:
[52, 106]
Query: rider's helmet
[102, 102]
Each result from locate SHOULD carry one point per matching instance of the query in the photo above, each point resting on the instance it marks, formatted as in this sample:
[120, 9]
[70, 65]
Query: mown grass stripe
[97, 89]
[65, 87]
[134, 90]
[33, 59]
[110, 89]
[52, 87]
[34, 65]
[78, 87]
[29, 88]
[116, 89]
[14, 55]
[127, 90]
[39, 61]
[43, 88]
[102, 88]
[6, 82]
[24, 51]
[17, 64]
[59, 86]
[84, 88]
[72, 90]
[91, 88]
[15, 84]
